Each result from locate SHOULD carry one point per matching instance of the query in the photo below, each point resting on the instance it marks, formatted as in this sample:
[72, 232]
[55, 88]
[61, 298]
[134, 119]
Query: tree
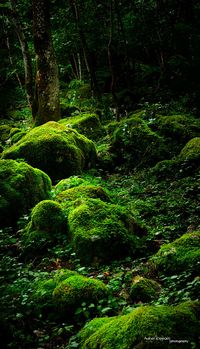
[46, 101]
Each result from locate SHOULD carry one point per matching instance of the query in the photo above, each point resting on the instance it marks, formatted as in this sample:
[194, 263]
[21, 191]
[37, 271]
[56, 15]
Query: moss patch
[55, 149]
[134, 142]
[102, 231]
[48, 225]
[180, 255]
[142, 327]
[60, 295]
[21, 187]
[86, 124]
[144, 290]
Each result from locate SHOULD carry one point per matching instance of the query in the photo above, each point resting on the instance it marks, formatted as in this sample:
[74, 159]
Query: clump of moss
[4, 133]
[134, 142]
[144, 290]
[86, 124]
[21, 188]
[64, 291]
[176, 130]
[145, 327]
[83, 191]
[191, 151]
[68, 183]
[55, 149]
[48, 225]
[102, 231]
[183, 254]
[71, 292]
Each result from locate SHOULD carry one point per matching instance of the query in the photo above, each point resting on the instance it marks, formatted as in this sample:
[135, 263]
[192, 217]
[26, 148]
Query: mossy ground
[164, 201]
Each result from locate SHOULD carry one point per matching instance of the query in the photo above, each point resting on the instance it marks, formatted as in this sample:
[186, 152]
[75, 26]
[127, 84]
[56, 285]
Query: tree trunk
[46, 103]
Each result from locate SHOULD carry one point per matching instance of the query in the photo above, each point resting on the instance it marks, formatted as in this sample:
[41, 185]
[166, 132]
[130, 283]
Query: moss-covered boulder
[102, 231]
[48, 225]
[183, 254]
[191, 152]
[147, 327]
[4, 133]
[21, 188]
[83, 191]
[59, 296]
[55, 149]
[86, 124]
[177, 130]
[144, 290]
[133, 141]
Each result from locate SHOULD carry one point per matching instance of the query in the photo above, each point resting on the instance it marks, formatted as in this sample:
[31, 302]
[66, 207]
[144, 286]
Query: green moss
[180, 255]
[143, 327]
[83, 191]
[48, 225]
[135, 142]
[71, 292]
[4, 133]
[63, 292]
[102, 231]
[17, 136]
[144, 290]
[55, 149]
[84, 123]
[21, 187]
[68, 183]
[191, 151]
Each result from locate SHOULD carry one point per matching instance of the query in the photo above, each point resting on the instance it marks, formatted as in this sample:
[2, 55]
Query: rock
[146, 327]
[55, 149]
[144, 290]
[21, 187]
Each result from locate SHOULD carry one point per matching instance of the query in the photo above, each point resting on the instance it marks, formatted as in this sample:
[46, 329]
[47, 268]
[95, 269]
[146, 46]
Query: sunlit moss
[55, 149]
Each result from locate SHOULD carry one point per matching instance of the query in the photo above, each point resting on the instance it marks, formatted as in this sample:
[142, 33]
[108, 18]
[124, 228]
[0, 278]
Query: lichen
[21, 188]
[57, 150]
[145, 327]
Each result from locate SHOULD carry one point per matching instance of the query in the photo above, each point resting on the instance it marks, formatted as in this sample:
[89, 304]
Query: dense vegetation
[99, 196]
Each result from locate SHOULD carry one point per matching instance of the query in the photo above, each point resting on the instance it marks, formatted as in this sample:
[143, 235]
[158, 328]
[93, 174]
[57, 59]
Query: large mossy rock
[147, 327]
[64, 291]
[21, 188]
[57, 150]
[181, 255]
[48, 226]
[102, 231]
[86, 124]
[133, 142]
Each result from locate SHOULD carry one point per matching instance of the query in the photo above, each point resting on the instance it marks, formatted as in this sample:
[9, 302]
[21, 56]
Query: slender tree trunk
[46, 102]
[86, 54]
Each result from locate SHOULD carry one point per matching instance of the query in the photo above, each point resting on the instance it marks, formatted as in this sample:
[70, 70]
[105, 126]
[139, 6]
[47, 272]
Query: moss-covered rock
[76, 289]
[146, 327]
[180, 255]
[55, 149]
[102, 231]
[86, 124]
[21, 187]
[48, 225]
[191, 152]
[16, 134]
[134, 142]
[68, 183]
[144, 290]
[63, 292]
[82, 192]
[176, 130]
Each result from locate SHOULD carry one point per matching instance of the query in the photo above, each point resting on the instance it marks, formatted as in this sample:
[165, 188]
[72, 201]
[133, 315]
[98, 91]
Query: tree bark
[46, 103]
